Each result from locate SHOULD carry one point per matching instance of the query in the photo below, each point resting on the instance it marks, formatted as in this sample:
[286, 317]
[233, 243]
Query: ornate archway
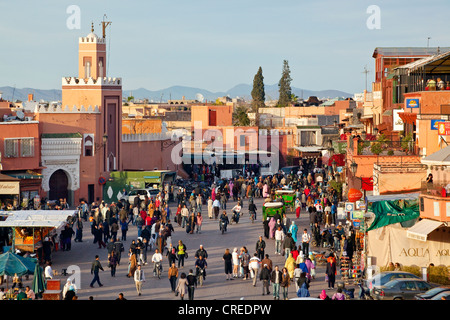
[59, 185]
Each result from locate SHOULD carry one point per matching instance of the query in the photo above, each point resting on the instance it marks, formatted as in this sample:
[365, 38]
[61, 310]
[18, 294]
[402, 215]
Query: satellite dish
[200, 97]
[20, 114]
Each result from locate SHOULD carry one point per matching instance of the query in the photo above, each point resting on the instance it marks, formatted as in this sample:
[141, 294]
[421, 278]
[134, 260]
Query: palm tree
[240, 117]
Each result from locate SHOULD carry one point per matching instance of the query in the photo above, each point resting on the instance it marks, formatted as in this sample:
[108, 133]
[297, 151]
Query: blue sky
[214, 45]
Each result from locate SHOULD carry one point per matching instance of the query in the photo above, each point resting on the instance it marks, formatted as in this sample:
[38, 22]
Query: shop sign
[357, 215]
[444, 128]
[435, 124]
[412, 103]
[349, 206]
[9, 187]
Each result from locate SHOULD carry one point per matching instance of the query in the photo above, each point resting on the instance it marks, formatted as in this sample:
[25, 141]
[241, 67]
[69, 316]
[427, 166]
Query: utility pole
[366, 71]
[428, 42]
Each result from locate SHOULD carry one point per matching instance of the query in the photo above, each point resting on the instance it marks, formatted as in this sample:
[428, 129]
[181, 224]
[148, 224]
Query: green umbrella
[39, 285]
[11, 264]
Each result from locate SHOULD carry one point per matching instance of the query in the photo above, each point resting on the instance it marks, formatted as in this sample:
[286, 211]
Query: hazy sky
[215, 45]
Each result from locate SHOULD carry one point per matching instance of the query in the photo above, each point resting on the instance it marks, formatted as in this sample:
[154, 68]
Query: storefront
[30, 187]
[9, 192]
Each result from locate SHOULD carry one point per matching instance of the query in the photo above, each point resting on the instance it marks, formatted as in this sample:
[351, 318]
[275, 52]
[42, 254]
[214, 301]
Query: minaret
[91, 56]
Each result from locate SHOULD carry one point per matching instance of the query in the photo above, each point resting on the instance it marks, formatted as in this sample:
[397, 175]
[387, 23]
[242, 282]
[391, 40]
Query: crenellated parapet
[91, 38]
[104, 81]
[140, 137]
[66, 109]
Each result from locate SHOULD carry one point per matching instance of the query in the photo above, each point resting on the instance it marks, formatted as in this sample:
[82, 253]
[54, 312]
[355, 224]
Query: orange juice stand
[30, 227]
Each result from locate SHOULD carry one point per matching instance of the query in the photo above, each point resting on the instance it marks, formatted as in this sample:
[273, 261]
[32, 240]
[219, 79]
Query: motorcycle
[222, 226]
[235, 217]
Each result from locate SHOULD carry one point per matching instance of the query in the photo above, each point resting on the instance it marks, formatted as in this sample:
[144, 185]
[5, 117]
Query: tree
[284, 86]
[240, 117]
[258, 93]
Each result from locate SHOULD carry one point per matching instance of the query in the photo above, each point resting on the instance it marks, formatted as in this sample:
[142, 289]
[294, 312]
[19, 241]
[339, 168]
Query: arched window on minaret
[87, 69]
[100, 68]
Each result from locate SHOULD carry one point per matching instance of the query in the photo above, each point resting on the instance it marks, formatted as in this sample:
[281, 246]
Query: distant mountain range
[175, 93]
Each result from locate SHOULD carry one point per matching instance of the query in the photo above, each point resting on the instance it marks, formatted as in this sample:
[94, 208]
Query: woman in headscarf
[303, 291]
[290, 265]
[293, 230]
[266, 228]
[310, 266]
[313, 266]
[272, 224]
[69, 286]
[323, 295]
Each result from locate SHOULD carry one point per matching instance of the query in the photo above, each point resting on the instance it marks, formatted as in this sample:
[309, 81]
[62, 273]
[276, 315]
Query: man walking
[96, 267]
[79, 232]
[264, 276]
[276, 280]
[306, 237]
[139, 278]
[260, 248]
[191, 284]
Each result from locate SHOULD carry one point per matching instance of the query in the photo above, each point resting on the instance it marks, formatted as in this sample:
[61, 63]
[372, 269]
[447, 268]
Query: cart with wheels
[288, 197]
[271, 208]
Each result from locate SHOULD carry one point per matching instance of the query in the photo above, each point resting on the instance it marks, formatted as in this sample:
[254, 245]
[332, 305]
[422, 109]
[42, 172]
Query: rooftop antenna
[105, 24]
[366, 71]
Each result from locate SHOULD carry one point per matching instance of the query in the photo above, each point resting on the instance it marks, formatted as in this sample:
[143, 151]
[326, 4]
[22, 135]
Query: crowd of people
[152, 218]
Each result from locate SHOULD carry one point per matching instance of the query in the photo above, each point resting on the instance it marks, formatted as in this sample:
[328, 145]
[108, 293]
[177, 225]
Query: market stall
[31, 227]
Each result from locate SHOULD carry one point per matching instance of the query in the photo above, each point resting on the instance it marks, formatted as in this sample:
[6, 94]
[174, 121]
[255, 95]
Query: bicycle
[158, 269]
[200, 276]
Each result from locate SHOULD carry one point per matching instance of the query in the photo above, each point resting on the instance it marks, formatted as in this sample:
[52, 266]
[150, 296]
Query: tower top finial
[92, 26]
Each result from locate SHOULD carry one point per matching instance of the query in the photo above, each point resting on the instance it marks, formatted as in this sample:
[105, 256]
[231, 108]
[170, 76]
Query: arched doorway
[58, 184]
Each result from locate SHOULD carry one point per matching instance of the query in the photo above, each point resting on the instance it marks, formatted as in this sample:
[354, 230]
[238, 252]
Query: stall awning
[422, 229]
[37, 218]
[408, 117]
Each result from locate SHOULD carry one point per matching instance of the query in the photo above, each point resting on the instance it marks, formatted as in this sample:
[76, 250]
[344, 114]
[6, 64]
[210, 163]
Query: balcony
[439, 189]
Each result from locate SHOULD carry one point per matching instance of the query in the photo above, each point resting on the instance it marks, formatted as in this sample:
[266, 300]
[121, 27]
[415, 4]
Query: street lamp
[354, 167]
[337, 176]
[334, 165]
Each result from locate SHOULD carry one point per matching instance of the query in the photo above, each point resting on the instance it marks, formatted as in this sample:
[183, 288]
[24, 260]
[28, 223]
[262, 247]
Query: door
[59, 184]
[91, 193]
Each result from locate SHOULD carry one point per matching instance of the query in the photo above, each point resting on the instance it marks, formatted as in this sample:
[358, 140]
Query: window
[11, 148]
[242, 141]
[307, 138]
[88, 145]
[423, 286]
[27, 147]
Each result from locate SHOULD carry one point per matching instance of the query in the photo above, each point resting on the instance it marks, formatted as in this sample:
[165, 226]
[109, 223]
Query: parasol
[38, 286]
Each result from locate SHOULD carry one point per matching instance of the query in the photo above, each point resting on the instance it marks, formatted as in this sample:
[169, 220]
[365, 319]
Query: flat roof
[408, 51]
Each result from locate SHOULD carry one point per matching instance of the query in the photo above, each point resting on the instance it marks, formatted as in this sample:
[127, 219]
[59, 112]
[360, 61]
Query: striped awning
[423, 228]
